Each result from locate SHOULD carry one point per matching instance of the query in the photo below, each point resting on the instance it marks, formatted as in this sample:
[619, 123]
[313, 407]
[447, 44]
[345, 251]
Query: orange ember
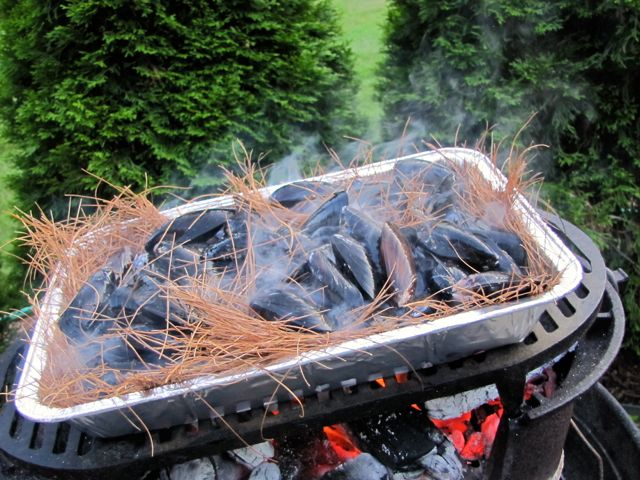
[470, 443]
[341, 442]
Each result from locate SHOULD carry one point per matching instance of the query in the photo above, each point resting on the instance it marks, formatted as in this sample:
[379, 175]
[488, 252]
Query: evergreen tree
[476, 64]
[150, 91]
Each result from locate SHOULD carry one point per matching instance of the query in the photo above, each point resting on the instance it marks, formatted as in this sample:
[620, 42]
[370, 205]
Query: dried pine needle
[222, 336]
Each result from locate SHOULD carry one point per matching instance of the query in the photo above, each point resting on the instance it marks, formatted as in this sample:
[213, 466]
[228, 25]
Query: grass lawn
[362, 22]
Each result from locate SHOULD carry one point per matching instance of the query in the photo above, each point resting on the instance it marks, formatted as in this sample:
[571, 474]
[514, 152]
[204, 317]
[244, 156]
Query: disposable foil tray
[347, 364]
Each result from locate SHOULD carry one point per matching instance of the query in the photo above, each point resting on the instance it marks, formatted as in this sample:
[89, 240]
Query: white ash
[442, 463]
[363, 467]
[412, 475]
[266, 471]
[254, 455]
[228, 469]
[455, 405]
[199, 469]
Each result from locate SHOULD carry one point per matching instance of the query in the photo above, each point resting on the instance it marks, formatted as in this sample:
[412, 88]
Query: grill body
[593, 322]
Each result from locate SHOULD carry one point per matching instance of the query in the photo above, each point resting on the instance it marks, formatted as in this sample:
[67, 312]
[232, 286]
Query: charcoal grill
[530, 437]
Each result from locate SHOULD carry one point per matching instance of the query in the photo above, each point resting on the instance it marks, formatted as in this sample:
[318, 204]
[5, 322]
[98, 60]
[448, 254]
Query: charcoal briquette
[397, 439]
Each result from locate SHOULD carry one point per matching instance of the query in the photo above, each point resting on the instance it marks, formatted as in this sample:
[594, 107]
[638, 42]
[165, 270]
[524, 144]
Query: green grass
[362, 22]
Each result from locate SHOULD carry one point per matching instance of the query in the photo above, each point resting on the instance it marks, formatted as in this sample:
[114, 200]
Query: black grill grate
[61, 447]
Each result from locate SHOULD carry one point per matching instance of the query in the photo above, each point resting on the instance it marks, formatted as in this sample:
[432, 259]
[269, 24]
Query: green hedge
[471, 64]
[155, 91]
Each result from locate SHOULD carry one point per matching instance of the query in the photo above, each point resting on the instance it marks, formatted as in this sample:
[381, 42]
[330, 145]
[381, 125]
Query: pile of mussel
[320, 256]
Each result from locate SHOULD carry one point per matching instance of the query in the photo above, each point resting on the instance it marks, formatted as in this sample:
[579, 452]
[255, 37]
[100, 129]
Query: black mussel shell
[352, 257]
[328, 214]
[291, 194]
[451, 243]
[85, 315]
[284, 304]
[399, 264]
[440, 203]
[487, 284]
[149, 340]
[324, 234]
[147, 298]
[176, 263]
[507, 241]
[425, 263]
[110, 350]
[328, 274]
[190, 227]
[229, 249]
[364, 229]
[457, 217]
[82, 317]
[432, 177]
[442, 278]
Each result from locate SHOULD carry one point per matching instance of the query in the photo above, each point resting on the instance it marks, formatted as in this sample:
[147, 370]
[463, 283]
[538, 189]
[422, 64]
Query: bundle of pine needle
[218, 332]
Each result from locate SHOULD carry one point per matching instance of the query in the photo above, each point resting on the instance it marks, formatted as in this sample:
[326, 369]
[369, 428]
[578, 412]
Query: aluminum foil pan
[347, 364]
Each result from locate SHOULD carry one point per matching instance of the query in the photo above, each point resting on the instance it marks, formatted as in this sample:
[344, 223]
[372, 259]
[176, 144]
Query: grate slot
[530, 339]
[271, 406]
[16, 425]
[455, 365]
[323, 392]
[377, 384]
[586, 264]
[548, 323]
[165, 435]
[350, 386]
[582, 291]
[479, 357]
[297, 403]
[429, 371]
[62, 437]
[216, 423]
[244, 417]
[401, 374]
[402, 377]
[565, 307]
[35, 442]
[85, 444]
[10, 376]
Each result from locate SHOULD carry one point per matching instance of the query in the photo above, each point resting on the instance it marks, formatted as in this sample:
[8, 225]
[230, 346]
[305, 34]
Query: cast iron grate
[61, 447]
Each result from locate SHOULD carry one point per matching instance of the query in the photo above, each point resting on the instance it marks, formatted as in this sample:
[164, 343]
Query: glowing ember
[473, 432]
[341, 442]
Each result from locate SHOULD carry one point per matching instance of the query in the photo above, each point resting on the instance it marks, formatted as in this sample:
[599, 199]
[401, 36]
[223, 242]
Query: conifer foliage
[460, 63]
[147, 92]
